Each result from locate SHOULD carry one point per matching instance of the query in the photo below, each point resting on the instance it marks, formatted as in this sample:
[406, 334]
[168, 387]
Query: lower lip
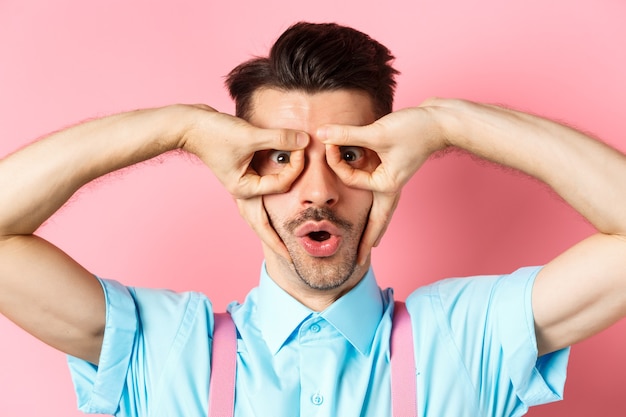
[325, 248]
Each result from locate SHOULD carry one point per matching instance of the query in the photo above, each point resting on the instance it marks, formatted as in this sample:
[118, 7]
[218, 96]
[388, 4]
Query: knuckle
[281, 139]
[344, 134]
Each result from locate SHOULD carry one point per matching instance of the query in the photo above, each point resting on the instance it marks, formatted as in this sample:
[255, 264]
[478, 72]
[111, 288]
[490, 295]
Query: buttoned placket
[313, 332]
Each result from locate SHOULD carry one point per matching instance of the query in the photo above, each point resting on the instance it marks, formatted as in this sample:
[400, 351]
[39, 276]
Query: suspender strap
[403, 386]
[224, 363]
[223, 367]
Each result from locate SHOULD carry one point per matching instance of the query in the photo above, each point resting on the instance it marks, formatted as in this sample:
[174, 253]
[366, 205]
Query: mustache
[317, 214]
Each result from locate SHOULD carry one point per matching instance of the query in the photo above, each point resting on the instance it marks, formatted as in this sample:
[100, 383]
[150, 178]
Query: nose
[318, 185]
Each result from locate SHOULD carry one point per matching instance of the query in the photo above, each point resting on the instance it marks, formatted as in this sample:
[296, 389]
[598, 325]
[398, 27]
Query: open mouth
[319, 239]
[319, 236]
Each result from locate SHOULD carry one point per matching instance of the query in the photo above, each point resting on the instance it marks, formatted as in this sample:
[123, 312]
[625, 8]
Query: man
[317, 170]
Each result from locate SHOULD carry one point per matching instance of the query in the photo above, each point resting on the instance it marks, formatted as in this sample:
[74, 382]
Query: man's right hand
[227, 144]
[65, 303]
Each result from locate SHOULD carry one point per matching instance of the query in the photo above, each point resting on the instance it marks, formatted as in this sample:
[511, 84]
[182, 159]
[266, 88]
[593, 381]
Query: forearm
[37, 180]
[584, 172]
[578, 293]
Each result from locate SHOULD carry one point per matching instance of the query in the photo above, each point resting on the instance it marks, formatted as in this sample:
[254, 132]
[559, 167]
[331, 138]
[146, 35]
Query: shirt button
[315, 328]
[317, 399]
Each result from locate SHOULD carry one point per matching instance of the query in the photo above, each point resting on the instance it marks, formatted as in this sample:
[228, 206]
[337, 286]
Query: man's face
[319, 219]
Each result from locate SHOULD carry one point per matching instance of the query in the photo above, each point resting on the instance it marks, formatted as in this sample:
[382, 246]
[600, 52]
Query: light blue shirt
[474, 341]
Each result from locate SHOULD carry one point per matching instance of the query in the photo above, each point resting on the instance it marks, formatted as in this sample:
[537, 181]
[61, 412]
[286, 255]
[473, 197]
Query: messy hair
[317, 57]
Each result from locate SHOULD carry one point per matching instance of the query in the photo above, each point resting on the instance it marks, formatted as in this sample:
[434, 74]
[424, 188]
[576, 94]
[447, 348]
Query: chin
[325, 274]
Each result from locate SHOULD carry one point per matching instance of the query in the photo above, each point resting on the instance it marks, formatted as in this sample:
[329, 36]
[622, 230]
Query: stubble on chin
[323, 274]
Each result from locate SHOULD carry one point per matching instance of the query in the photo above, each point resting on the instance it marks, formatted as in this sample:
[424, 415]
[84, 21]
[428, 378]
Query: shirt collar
[355, 315]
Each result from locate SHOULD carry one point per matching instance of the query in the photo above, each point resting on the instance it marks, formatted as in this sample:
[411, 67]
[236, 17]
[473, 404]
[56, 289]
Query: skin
[579, 293]
[65, 303]
[316, 281]
[575, 296]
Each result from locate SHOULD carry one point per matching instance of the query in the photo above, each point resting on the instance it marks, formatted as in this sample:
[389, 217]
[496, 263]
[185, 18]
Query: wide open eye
[279, 157]
[351, 154]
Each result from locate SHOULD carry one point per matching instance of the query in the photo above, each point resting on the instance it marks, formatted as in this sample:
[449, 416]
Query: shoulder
[456, 303]
[158, 310]
[451, 291]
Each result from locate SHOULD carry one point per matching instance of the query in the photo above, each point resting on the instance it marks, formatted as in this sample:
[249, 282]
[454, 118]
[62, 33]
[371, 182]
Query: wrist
[174, 124]
[456, 122]
[441, 121]
[191, 126]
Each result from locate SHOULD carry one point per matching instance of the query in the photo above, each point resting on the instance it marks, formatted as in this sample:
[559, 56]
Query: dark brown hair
[316, 57]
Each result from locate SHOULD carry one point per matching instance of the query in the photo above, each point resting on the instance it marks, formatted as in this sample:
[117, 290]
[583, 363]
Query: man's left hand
[403, 140]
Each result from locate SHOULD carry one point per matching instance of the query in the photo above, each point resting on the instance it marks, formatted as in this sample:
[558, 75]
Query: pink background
[169, 224]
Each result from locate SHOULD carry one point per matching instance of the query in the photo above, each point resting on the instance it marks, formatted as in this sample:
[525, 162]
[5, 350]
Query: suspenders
[224, 360]
[403, 386]
[223, 367]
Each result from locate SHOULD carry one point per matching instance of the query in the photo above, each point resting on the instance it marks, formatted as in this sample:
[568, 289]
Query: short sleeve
[475, 338]
[535, 380]
[99, 388]
[155, 354]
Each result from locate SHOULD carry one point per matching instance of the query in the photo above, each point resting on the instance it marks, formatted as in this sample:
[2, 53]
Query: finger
[380, 215]
[280, 139]
[379, 180]
[349, 175]
[251, 184]
[253, 211]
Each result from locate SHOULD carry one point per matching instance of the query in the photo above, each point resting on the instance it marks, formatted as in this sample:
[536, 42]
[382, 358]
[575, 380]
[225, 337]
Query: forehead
[292, 109]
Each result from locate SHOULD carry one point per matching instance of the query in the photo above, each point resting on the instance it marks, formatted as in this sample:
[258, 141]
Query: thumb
[344, 135]
[281, 139]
